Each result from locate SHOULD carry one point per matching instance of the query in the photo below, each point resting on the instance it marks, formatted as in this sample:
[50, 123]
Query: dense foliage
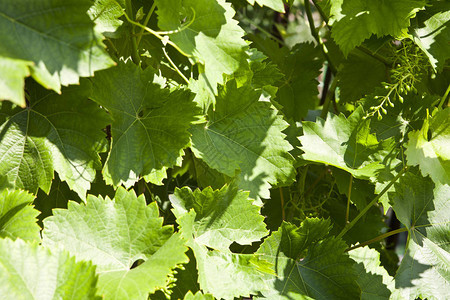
[213, 149]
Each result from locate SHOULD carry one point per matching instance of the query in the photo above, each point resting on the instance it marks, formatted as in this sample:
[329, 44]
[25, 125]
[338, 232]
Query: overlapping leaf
[325, 272]
[373, 279]
[65, 45]
[114, 234]
[216, 219]
[17, 216]
[244, 134]
[277, 5]
[423, 207]
[429, 147]
[150, 124]
[345, 143]
[434, 33]
[212, 38]
[356, 20]
[61, 133]
[30, 271]
[221, 217]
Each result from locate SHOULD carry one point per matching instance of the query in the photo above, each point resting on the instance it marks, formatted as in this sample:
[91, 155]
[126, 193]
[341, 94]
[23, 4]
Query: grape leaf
[277, 5]
[65, 44]
[17, 216]
[216, 219]
[56, 132]
[429, 147]
[433, 33]
[298, 91]
[30, 271]
[198, 296]
[360, 75]
[106, 14]
[345, 143]
[356, 20]
[325, 272]
[245, 134]
[114, 234]
[423, 206]
[150, 124]
[373, 279]
[222, 216]
[212, 38]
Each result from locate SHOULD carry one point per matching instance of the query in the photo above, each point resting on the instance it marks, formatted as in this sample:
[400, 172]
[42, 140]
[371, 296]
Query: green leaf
[56, 132]
[106, 14]
[17, 216]
[30, 271]
[198, 296]
[153, 274]
[356, 20]
[222, 216]
[150, 124]
[212, 38]
[325, 272]
[65, 45]
[345, 143]
[217, 219]
[360, 75]
[114, 234]
[429, 147]
[433, 34]
[373, 279]
[245, 134]
[298, 91]
[423, 206]
[277, 5]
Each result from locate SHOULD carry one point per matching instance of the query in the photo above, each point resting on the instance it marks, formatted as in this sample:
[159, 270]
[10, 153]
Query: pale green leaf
[11, 81]
[216, 219]
[32, 272]
[433, 36]
[356, 20]
[423, 207]
[150, 124]
[56, 132]
[17, 216]
[429, 147]
[106, 14]
[62, 38]
[277, 5]
[222, 216]
[244, 134]
[209, 35]
[345, 143]
[153, 274]
[198, 296]
[373, 279]
[114, 234]
[325, 272]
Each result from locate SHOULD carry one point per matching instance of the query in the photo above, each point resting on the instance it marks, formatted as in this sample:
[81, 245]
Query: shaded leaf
[65, 44]
[56, 132]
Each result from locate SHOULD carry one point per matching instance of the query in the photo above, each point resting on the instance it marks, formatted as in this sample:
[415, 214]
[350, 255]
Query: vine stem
[134, 49]
[445, 96]
[330, 94]
[378, 238]
[174, 66]
[283, 214]
[348, 226]
[348, 198]
[316, 36]
[147, 19]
